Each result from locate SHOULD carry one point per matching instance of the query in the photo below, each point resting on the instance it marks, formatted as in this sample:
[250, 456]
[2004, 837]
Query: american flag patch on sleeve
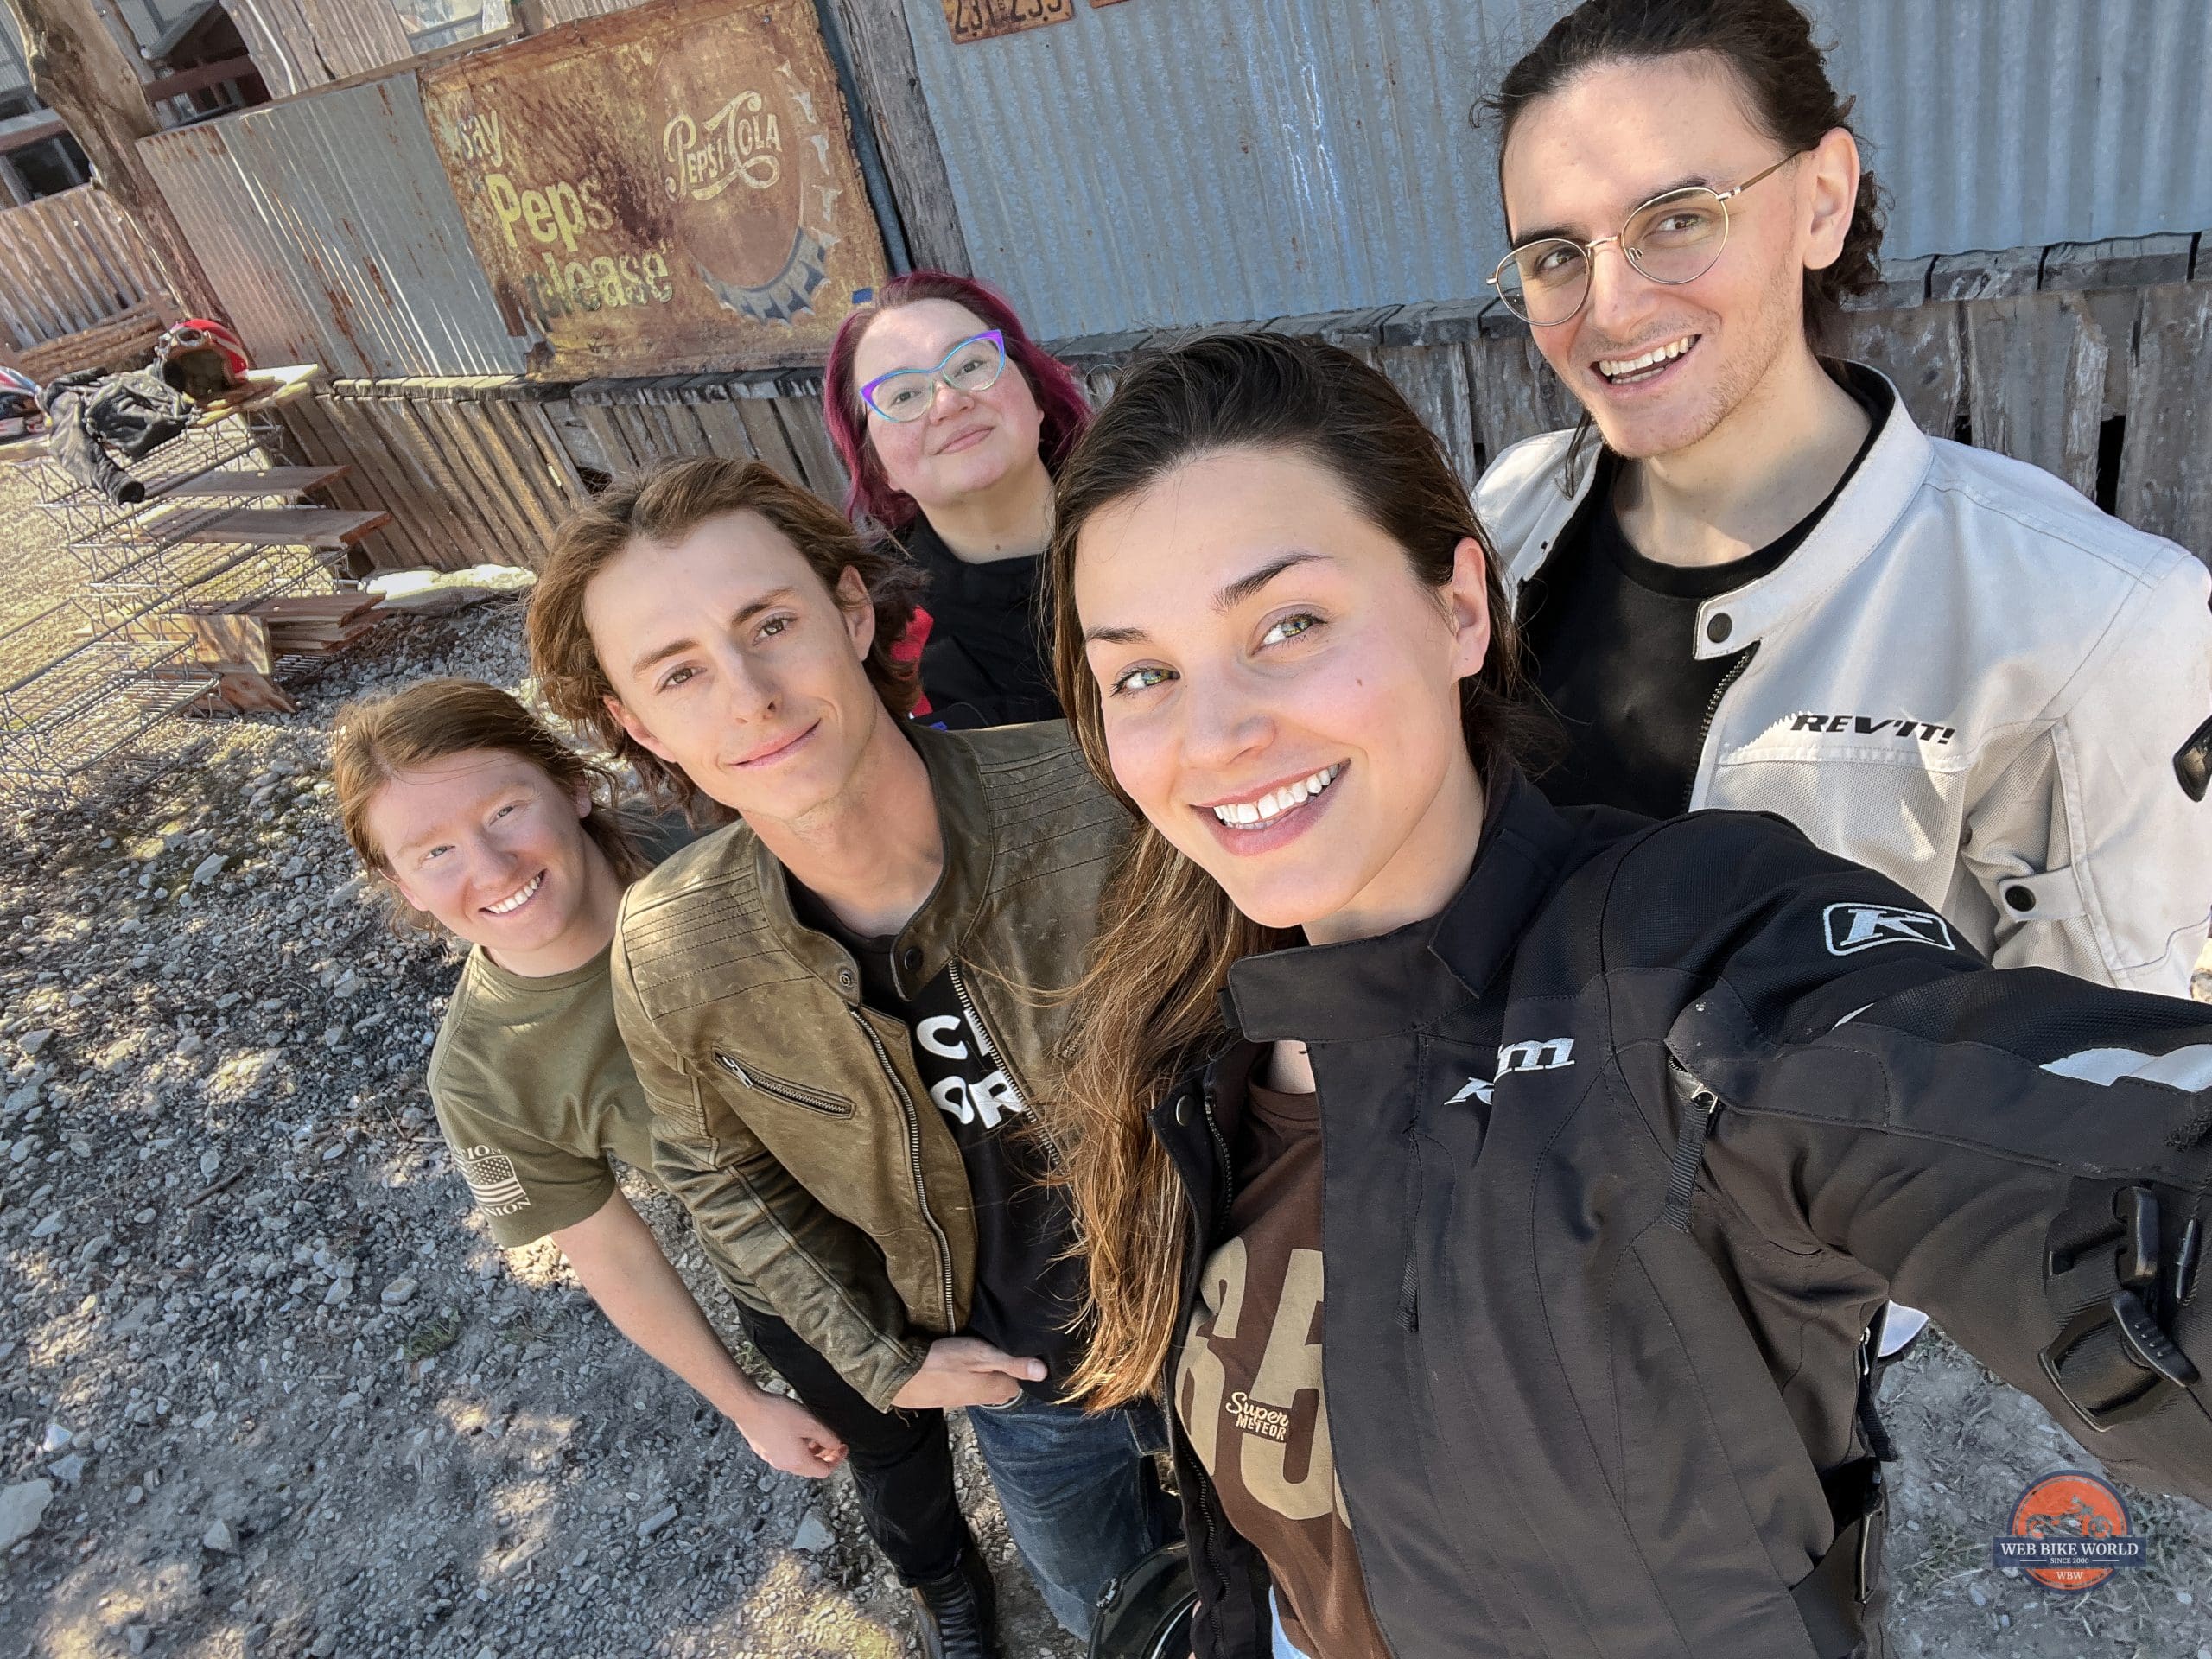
[491, 1176]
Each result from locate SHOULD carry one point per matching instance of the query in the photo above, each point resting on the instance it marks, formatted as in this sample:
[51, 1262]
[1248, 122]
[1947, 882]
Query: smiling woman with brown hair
[477, 819]
[1501, 1194]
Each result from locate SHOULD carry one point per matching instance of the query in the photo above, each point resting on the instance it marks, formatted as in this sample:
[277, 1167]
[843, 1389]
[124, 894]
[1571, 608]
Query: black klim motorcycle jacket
[1621, 1152]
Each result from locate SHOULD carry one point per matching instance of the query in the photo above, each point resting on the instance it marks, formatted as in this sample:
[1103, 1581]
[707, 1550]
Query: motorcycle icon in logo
[2069, 1533]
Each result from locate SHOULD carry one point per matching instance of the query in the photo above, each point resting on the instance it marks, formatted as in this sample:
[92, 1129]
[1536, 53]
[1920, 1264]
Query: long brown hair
[1148, 1005]
[433, 720]
[665, 504]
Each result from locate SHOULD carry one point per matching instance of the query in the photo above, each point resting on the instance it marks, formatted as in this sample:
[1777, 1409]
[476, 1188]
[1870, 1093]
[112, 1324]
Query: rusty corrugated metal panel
[668, 190]
[327, 225]
[70, 262]
[1156, 164]
[299, 44]
[572, 11]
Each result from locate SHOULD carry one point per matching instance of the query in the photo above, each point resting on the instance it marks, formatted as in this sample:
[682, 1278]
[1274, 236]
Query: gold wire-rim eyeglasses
[1516, 298]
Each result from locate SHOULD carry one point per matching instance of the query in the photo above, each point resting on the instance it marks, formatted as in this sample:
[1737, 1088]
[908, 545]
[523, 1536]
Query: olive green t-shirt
[534, 1090]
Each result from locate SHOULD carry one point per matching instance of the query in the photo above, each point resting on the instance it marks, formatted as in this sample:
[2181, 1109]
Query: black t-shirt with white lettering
[1612, 636]
[1028, 1289]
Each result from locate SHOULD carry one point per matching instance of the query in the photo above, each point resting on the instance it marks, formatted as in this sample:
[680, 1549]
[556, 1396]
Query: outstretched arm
[621, 1263]
[2026, 1156]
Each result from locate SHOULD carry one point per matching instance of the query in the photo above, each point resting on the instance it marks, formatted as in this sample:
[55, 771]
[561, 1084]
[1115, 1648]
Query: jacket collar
[1859, 521]
[1414, 976]
[969, 833]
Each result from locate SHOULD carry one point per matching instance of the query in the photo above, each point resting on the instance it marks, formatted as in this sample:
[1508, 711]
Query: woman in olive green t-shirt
[485, 822]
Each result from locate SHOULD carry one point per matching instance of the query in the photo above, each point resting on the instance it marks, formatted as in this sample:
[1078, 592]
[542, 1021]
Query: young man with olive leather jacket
[1621, 1153]
[862, 1128]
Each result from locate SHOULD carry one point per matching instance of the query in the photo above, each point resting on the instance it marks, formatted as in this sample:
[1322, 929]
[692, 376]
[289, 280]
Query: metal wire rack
[109, 664]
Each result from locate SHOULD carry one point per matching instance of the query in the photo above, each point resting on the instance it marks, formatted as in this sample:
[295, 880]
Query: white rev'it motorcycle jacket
[1968, 678]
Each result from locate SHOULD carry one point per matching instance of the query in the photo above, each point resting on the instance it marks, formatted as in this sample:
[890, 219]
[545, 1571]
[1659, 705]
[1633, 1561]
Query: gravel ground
[292, 1402]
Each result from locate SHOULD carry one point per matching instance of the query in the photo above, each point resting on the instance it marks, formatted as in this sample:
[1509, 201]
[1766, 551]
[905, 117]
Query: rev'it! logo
[1867, 726]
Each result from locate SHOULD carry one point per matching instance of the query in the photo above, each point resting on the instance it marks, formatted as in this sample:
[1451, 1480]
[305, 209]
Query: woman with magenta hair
[954, 459]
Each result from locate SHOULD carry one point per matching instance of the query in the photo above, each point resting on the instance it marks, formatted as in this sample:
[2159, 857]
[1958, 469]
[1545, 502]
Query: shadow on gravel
[290, 1403]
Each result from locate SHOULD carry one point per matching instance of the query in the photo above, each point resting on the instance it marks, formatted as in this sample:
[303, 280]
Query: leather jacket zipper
[796, 1094]
[1712, 709]
[1006, 1063]
[913, 1158]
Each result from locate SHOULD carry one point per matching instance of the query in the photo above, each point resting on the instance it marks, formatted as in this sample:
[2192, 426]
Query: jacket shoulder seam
[2161, 555]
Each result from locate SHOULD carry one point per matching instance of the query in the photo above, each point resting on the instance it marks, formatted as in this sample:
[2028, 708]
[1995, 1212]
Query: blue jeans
[1282, 1648]
[1079, 1493]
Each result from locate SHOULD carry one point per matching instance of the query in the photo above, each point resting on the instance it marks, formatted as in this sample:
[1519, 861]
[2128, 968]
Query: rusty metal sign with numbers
[984, 19]
[666, 190]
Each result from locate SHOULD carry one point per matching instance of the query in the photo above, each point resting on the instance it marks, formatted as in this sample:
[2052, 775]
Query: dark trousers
[901, 1460]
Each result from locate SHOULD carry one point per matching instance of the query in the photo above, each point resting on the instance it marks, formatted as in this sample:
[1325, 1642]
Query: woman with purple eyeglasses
[953, 458]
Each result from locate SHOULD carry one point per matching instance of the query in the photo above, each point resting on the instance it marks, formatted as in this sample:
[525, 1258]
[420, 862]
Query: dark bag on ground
[1146, 1613]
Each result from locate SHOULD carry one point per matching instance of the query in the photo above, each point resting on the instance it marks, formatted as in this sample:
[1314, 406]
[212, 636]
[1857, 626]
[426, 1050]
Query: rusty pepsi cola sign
[666, 190]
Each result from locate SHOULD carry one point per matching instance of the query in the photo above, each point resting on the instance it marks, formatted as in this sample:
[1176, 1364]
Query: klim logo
[1543, 1054]
[1853, 928]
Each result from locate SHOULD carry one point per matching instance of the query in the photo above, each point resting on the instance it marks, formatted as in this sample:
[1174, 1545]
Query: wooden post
[79, 71]
[882, 55]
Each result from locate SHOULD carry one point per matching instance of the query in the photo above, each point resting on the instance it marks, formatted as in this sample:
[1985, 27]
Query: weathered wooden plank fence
[75, 278]
[2101, 385]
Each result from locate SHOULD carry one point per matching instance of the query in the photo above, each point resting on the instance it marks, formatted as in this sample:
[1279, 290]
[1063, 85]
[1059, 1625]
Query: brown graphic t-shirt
[1249, 1388]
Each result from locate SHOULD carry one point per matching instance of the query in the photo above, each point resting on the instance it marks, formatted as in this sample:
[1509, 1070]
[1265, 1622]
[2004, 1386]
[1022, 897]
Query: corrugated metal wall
[299, 44]
[2016, 123]
[326, 225]
[570, 11]
[1156, 163]
[1196, 165]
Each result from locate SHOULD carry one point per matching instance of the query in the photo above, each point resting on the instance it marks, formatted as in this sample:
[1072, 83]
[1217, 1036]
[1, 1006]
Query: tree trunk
[81, 71]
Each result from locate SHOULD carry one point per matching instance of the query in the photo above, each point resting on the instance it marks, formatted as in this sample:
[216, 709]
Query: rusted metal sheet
[666, 190]
[571, 11]
[327, 226]
[984, 19]
[299, 44]
[2165, 471]
[68, 264]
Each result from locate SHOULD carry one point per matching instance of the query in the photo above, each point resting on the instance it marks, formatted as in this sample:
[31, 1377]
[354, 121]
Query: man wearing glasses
[1767, 590]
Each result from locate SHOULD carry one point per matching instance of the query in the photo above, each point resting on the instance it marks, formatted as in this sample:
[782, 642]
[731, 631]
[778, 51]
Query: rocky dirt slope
[289, 1401]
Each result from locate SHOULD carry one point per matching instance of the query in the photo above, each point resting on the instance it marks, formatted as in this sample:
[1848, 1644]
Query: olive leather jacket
[790, 1120]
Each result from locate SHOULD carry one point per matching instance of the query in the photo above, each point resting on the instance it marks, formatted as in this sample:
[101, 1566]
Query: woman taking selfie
[1501, 1194]
[954, 457]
